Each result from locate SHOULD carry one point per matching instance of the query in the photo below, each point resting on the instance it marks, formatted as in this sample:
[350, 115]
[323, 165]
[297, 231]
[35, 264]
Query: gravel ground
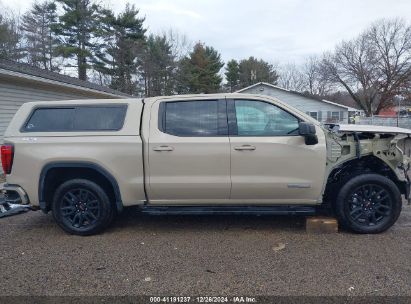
[201, 255]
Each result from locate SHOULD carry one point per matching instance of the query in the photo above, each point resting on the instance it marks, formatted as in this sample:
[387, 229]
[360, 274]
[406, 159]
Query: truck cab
[236, 150]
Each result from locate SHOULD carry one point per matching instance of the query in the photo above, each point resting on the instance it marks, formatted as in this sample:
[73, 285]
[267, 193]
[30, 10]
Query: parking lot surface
[201, 255]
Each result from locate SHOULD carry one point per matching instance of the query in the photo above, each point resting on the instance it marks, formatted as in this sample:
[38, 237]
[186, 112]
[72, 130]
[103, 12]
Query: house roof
[33, 73]
[295, 93]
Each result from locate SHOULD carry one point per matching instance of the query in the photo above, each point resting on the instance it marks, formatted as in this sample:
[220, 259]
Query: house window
[335, 116]
[314, 115]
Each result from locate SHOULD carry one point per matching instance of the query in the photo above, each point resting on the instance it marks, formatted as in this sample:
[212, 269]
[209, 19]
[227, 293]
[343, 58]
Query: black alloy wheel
[368, 203]
[82, 207]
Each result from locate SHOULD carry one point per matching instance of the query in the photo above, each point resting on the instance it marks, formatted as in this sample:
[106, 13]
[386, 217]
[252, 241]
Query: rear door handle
[163, 148]
[245, 147]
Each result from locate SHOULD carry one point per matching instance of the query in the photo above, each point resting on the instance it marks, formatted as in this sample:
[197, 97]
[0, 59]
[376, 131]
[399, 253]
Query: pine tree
[158, 67]
[232, 75]
[102, 62]
[38, 26]
[130, 36]
[77, 29]
[120, 55]
[253, 71]
[199, 71]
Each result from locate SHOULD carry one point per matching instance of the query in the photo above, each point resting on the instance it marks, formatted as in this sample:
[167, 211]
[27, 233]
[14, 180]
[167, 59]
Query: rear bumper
[14, 194]
[13, 200]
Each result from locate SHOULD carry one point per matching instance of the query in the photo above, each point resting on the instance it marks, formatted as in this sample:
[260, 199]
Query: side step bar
[208, 210]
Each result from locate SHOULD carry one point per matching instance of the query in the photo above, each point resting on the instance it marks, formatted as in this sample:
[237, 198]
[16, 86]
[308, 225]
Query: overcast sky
[279, 31]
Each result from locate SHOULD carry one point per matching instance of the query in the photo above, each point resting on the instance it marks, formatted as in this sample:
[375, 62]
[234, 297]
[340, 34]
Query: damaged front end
[385, 149]
[403, 144]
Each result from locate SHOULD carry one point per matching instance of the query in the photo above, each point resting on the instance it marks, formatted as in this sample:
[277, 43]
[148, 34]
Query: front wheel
[82, 207]
[368, 203]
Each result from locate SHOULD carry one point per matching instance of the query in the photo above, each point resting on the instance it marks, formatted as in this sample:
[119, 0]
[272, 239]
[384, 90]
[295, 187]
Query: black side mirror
[307, 129]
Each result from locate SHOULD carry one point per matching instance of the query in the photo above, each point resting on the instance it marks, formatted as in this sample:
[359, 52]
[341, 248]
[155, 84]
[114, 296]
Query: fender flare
[68, 164]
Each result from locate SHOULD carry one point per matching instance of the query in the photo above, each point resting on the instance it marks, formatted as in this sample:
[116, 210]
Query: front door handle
[163, 148]
[245, 147]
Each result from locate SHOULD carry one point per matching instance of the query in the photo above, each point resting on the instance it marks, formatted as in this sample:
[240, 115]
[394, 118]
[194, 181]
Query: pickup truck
[86, 160]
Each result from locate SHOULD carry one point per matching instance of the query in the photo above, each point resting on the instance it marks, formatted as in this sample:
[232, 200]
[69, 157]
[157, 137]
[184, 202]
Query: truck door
[189, 152]
[270, 162]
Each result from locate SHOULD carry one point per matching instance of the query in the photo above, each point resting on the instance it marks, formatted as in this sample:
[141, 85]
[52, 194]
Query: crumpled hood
[370, 129]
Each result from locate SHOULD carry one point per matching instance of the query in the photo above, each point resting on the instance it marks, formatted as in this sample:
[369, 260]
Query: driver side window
[256, 118]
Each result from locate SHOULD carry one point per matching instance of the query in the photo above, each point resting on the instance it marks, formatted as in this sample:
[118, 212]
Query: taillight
[7, 154]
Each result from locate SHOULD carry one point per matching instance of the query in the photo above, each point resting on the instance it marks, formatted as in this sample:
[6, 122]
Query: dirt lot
[201, 255]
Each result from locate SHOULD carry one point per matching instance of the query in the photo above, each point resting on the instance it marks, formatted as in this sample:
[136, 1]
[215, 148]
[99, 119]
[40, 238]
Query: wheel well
[54, 176]
[366, 164]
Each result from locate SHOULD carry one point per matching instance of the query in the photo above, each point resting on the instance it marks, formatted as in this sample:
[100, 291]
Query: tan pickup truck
[85, 160]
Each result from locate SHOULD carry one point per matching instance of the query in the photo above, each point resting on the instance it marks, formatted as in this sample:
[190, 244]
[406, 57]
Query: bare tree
[392, 43]
[316, 82]
[375, 67]
[180, 44]
[291, 78]
[308, 78]
[40, 40]
[10, 35]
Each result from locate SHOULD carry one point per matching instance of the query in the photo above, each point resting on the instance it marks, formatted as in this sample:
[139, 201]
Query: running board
[208, 210]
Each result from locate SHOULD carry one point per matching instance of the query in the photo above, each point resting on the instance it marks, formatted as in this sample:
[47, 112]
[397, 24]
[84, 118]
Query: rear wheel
[368, 203]
[82, 207]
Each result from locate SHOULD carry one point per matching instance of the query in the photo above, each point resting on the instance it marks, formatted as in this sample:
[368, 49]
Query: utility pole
[398, 111]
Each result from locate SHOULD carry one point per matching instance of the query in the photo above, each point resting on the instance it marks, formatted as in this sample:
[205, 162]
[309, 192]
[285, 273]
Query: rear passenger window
[191, 118]
[81, 118]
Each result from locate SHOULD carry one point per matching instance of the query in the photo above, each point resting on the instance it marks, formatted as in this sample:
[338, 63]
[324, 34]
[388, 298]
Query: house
[389, 112]
[395, 111]
[323, 110]
[20, 83]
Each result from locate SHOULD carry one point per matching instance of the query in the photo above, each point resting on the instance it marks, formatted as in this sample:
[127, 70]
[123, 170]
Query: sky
[278, 31]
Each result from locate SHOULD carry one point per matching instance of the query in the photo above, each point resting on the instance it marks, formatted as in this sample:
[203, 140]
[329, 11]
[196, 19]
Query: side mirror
[307, 130]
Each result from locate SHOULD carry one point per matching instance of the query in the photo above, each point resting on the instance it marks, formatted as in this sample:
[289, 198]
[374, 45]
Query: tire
[368, 203]
[82, 207]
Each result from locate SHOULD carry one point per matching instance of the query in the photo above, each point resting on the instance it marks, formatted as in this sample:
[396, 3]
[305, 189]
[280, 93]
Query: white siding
[302, 103]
